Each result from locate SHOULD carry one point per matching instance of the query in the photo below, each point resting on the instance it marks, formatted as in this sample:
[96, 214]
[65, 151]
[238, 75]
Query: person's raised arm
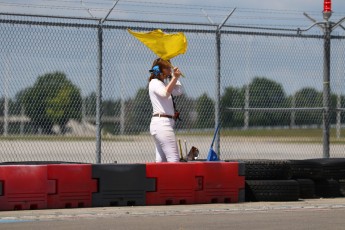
[175, 76]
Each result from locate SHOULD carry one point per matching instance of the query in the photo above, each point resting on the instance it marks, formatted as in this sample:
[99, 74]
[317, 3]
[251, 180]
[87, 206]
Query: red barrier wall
[195, 182]
[23, 187]
[175, 183]
[220, 182]
[73, 185]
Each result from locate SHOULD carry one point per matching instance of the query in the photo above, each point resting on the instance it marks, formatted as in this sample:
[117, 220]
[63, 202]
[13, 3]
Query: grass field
[62, 138]
[287, 135]
[277, 135]
[312, 133]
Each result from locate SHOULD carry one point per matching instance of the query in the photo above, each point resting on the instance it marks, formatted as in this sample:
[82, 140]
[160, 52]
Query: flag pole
[172, 66]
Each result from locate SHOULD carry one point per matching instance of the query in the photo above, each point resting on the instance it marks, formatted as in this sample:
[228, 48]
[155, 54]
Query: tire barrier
[342, 187]
[306, 169]
[41, 185]
[315, 177]
[332, 168]
[306, 188]
[272, 190]
[326, 173]
[267, 169]
[196, 183]
[121, 185]
[327, 188]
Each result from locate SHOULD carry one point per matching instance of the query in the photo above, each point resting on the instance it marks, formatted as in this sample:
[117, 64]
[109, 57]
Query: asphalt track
[304, 214]
[140, 149]
[307, 214]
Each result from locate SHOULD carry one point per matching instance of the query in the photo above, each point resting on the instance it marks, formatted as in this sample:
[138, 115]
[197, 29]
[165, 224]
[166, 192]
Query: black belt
[163, 115]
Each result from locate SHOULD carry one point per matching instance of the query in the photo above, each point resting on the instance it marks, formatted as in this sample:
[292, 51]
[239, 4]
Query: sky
[98, 8]
[288, 13]
[252, 56]
[304, 5]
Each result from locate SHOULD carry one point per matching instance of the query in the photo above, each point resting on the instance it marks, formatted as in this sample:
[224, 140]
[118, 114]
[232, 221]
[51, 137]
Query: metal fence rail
[75, 89]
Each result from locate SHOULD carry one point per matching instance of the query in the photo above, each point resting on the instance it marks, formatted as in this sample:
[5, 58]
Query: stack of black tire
[317, 178]
[291, 180]
[270, 180]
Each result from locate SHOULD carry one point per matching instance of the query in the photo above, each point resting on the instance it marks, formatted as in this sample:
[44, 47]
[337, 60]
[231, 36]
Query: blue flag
[212, 155]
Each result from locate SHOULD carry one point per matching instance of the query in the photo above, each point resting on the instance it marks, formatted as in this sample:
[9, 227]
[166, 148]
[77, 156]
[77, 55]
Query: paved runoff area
[141, 149]
[303, 214]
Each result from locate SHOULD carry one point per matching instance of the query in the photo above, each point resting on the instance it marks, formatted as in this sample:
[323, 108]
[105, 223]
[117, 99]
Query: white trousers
[162, 130]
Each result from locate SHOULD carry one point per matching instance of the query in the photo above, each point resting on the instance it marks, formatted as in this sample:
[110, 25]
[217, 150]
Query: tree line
[54, 100]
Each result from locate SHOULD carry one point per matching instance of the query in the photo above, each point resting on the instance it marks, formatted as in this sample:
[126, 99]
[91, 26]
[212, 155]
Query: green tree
[140, 112]
[19, 101]
[342, 105]
[185, 106]
[11, 111]
[265, 93]
[308, 98]
[333, 114]
[205, 112]
[111, 109]
[90, 105]
[12, 107]
[232, 98]
[53, 99]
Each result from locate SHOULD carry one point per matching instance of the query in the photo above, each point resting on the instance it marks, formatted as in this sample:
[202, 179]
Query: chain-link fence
[52, 78]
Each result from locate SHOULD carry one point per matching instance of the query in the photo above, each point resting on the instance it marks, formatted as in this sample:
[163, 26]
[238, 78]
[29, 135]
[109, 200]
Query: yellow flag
[166, 46]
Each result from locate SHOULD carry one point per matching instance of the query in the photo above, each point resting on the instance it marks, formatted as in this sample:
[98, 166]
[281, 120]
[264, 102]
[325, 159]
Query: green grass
[61, 138]
[276, 135]
[287, 135]
[311, 133]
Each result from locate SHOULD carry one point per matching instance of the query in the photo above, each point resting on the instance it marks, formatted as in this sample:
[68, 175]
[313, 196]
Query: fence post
[99, 96]
[338, 126]
[99, 87]
[6, 96]
[326, 87]
[293, 113]
[246, 105]
[217, 104]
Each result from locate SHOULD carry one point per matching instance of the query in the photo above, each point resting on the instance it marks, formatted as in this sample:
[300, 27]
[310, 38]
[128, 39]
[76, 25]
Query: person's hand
[177, 72]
